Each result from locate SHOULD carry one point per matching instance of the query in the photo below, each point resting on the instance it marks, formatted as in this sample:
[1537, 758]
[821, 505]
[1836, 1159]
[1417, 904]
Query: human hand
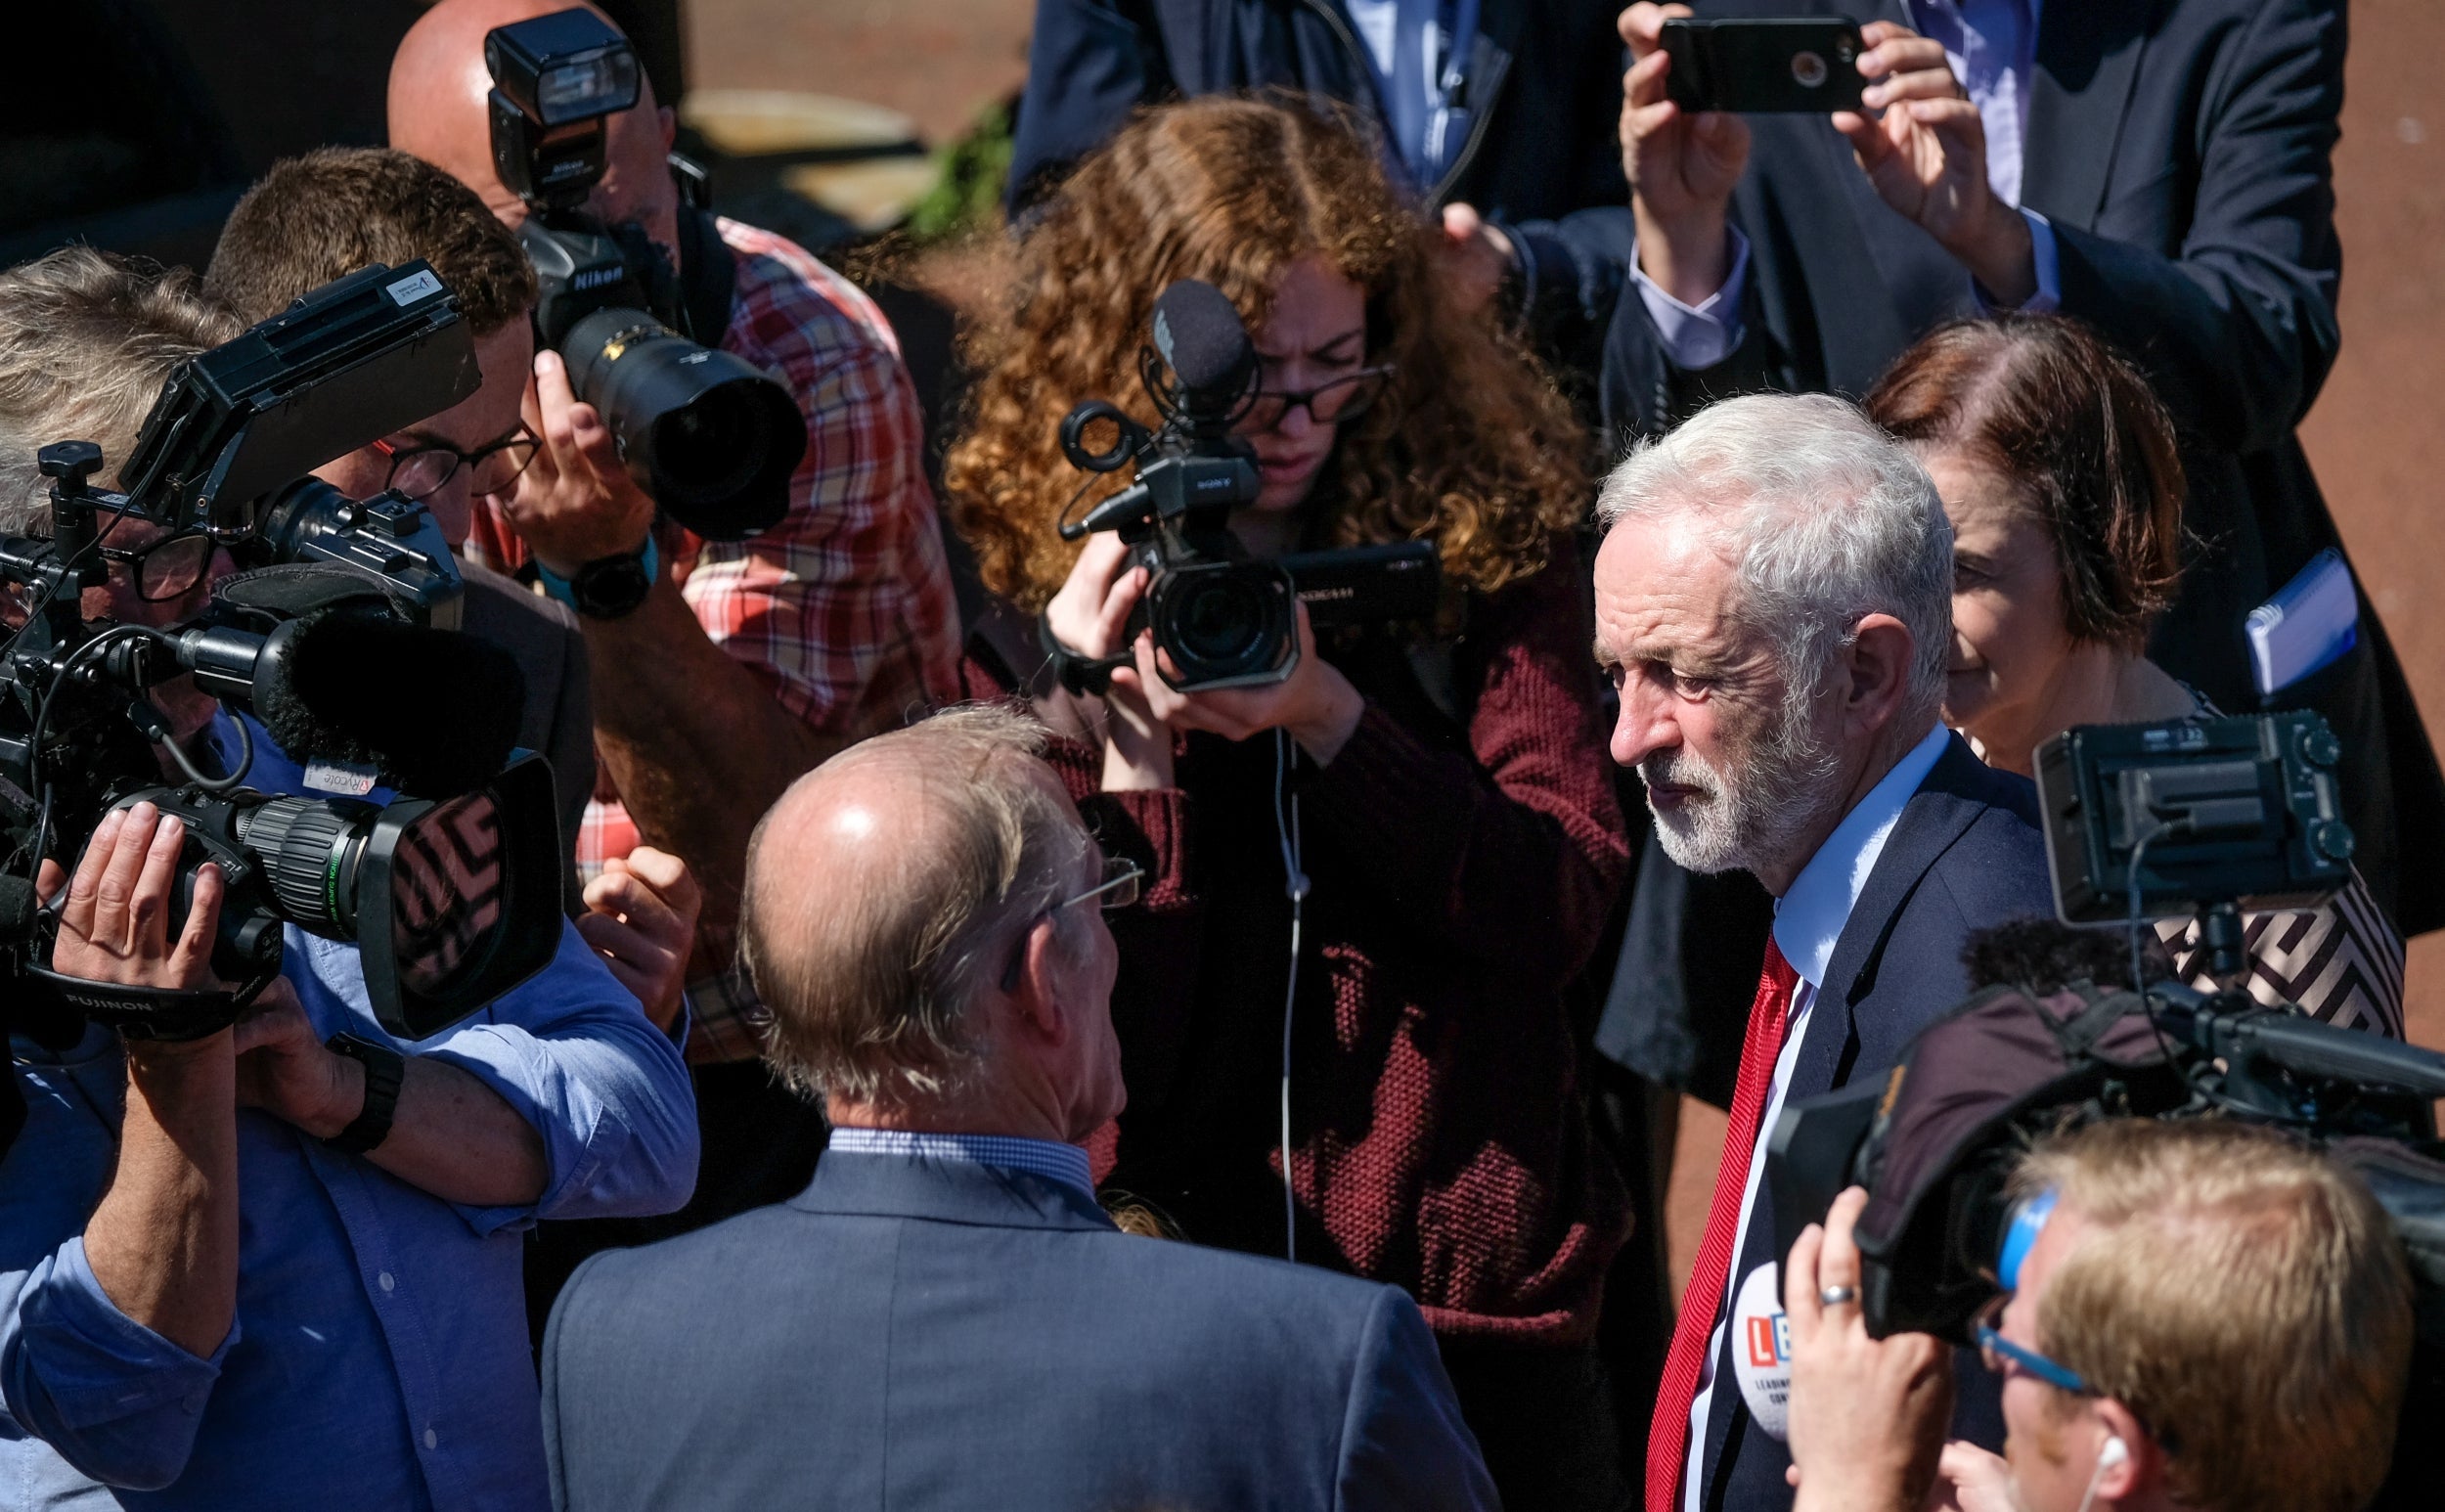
[115, 922]
[1867, 1415]
[1473, 258]
[1969, 1478]
[576, 501]
[1927, 156]
[641, 918]
[284, 1069]
[1315, 703]
[1683, 168]
[1091, 616]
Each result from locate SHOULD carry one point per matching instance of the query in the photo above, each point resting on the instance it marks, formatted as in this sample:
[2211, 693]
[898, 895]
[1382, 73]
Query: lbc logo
[1769, 1341]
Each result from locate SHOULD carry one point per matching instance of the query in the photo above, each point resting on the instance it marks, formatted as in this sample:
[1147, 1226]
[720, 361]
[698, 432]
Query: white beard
[1752, 814]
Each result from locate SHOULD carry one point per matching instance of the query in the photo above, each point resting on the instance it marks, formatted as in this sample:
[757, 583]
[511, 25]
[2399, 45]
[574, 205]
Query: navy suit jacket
[1966, 854]
[2181, 151]
[928, 1334]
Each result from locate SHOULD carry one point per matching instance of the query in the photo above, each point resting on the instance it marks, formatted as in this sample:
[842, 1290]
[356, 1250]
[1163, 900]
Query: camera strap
[170, 1013]
[708, 277]
[1081, 674]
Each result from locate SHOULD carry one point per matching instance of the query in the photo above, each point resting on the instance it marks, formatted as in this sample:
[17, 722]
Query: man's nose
[1644, 726]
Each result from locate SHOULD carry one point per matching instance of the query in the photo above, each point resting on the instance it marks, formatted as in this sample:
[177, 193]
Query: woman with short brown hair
[1439, 792]
[2058, 466]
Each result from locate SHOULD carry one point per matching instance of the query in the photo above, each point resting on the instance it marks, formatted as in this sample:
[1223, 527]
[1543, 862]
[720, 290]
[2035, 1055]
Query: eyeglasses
[419, 472]
[1343, 398]
[1999, 1352]
[167, 569]
[1122, 882]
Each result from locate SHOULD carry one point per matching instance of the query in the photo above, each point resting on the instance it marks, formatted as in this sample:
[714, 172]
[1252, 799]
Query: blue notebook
[2308, 625]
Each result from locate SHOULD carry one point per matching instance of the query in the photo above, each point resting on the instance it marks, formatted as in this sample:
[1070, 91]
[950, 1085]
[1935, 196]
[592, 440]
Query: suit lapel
[2088, 58]
[1935, 817]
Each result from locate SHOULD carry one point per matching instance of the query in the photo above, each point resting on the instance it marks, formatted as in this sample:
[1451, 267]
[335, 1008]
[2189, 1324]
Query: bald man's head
[885, 889]
[439, 111]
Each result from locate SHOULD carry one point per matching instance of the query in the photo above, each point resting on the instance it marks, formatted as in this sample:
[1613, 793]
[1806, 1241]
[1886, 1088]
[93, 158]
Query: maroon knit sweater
[1464, 848]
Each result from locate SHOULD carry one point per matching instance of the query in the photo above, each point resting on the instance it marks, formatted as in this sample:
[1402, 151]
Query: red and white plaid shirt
[844, 609]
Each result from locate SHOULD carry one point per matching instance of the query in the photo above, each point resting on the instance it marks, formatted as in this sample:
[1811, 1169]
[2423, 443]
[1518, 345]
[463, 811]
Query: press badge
[1761, 1350]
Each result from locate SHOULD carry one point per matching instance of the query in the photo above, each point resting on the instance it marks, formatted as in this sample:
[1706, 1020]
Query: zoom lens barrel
[712, 439]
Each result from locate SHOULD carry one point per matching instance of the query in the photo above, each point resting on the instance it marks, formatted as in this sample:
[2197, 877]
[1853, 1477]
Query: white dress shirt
[1808, 918]
[1993, 48]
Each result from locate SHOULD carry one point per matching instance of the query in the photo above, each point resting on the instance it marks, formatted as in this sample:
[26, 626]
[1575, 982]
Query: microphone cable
[1295, 886]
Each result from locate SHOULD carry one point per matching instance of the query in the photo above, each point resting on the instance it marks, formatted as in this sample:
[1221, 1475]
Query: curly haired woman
[1443, 789]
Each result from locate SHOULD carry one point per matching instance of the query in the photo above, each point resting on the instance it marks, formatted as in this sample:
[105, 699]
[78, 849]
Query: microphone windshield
[1202, 340]
[437, 711]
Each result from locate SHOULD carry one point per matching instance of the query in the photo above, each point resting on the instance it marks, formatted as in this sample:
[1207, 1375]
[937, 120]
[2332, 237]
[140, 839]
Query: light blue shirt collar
[1809, 917]
[1063, 1163]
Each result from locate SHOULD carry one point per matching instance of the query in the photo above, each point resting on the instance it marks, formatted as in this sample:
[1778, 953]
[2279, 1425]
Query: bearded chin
[1753, 815]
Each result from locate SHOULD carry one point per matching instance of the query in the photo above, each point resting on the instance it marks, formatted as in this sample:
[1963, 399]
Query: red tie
[1667, 1437]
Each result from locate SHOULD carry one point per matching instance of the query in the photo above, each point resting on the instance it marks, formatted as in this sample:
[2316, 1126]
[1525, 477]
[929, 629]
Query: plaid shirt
[844, 609]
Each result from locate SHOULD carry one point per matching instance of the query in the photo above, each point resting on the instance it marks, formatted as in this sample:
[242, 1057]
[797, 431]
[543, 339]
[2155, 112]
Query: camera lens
[710, 437]
[1219, 621]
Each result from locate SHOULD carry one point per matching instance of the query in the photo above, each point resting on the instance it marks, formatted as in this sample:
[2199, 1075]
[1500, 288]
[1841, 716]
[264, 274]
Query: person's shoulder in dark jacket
[1144, 1367]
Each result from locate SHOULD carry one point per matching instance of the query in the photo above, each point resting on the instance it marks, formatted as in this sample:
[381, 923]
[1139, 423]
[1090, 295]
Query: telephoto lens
[710, 437]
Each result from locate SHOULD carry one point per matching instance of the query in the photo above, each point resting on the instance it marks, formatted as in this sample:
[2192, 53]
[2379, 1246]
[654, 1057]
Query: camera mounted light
[556, 79]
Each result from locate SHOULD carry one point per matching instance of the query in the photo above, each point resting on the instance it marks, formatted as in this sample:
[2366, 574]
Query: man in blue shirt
[225, 1280]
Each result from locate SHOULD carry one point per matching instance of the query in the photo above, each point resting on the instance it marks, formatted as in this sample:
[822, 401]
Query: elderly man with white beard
[1774, 607]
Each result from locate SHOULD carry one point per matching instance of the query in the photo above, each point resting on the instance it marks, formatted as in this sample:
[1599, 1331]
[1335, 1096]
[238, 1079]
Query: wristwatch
[607, 586]
[384, 1069]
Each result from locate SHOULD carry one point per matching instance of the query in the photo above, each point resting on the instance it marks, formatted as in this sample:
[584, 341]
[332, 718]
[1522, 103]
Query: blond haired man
[2214, 1316]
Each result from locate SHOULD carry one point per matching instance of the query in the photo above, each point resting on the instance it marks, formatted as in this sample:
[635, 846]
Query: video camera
[1225, 619]
[712, 440]
[451, 889]
[2196, 819]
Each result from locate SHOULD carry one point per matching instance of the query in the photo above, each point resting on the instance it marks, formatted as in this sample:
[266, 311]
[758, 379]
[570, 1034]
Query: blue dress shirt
[379, 1354]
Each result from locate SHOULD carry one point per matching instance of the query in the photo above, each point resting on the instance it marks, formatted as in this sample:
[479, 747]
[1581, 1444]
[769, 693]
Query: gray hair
[1826, 519]
[872, 979]
[86, 341]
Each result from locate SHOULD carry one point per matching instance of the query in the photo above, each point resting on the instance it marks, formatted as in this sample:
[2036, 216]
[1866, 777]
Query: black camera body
[452, 889]
[1223, 618]
[712, 440]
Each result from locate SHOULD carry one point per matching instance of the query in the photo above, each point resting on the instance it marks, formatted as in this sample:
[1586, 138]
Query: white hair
[1825, 518]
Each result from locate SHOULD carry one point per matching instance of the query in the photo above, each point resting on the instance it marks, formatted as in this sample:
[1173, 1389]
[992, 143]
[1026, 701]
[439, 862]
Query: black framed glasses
[1122, 883]
[165, 568]
[1345, 398]
[420, 472]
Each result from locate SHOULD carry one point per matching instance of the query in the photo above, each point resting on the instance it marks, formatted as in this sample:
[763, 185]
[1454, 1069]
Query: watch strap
[574, 591]
[384, 1070]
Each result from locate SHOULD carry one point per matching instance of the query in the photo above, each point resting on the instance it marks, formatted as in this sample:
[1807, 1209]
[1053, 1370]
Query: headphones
[2113, 1451]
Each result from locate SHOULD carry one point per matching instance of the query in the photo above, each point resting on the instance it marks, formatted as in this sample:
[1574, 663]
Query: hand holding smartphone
[1795, 65]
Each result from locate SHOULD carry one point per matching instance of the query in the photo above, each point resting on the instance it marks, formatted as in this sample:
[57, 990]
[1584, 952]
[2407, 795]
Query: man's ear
[1036, 997]
[668, 119]
[1881, 650]
[2142, 1462]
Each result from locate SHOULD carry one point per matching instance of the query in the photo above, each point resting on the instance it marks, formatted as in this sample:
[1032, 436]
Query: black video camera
[1224, 619]
[452, 890]
[2189, 819]
[712, 440]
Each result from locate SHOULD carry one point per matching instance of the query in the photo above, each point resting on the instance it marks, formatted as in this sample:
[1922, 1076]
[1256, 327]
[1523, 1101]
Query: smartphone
[1803, 63]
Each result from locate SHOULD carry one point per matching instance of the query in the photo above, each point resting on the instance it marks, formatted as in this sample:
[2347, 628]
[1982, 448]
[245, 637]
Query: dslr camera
[445, 868]
[1224, 619]
[712, 440]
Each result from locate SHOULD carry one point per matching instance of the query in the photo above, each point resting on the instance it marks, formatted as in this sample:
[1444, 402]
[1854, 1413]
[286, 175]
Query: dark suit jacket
[1966, 854]
[559, 719]
[2181, 150]
[1545, 87]
[922, 1334]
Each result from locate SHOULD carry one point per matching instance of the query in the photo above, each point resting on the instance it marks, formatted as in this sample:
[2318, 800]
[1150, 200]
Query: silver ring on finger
[1838, 1296]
